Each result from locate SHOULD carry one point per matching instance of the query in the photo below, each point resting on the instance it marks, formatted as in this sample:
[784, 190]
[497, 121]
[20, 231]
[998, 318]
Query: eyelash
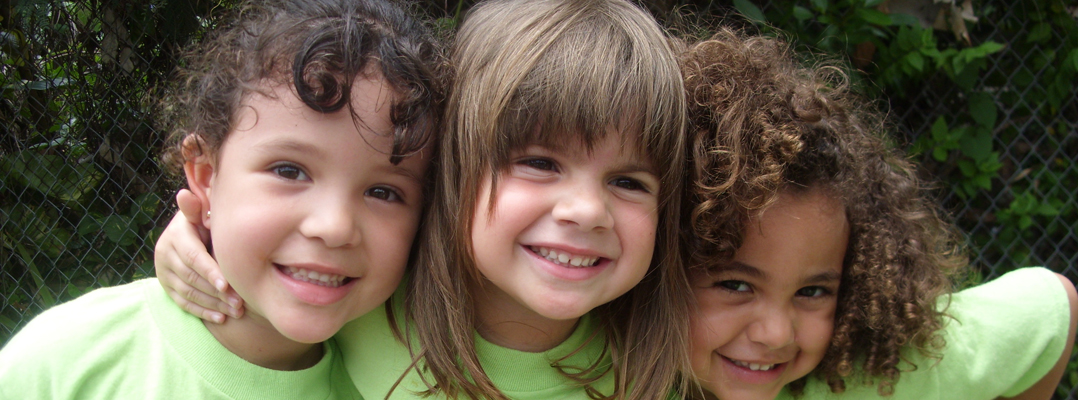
[544, 164]
[821, 291]
[292, 172]
[630, 184]
[292, 169]
[734, 285]
[541, 164]
[391, 195]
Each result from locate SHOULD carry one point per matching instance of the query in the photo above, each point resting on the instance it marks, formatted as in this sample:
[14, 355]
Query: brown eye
[629, 184]
[813, 291]
[290, 172]
[734, 286]
[384, 193]
[541, 164]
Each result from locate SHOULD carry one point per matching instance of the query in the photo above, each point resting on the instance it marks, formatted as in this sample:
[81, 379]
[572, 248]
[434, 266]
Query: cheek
[818, 332]
[708, 332]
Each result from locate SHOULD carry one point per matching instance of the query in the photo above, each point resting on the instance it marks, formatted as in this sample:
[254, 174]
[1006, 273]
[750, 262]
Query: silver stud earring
[207, 214]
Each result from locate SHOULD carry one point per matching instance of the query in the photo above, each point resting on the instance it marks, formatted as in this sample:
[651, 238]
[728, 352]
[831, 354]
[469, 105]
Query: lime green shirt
[133, 342]
[375, 360]
[1002, 337]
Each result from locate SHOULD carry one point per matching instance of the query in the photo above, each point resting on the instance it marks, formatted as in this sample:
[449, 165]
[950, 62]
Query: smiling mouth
[752, 366]
[316, 278]
[565, 259]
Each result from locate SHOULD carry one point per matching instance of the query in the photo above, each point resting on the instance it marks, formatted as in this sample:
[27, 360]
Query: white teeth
[754, 367]
[565, 259]
[308, 276]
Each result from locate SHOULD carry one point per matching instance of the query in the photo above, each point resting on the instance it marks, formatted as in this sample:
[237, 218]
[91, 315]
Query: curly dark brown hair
[762, 124]
[319, 48]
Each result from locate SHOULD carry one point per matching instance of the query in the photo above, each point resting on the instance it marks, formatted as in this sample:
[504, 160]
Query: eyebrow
[742, 268]
[739, 267]
[289, 145]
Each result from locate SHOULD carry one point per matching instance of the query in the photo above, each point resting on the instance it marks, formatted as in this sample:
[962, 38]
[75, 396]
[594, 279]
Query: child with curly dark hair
[303, 129]
[818, 263]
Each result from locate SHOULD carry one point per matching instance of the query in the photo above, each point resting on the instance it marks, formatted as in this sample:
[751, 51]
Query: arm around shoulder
[1044, 388]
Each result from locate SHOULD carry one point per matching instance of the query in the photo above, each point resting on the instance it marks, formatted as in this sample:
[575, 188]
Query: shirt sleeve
[1000, 337]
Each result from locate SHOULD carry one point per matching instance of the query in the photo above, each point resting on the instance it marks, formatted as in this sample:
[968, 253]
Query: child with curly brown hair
[302, 128]
[819, 265]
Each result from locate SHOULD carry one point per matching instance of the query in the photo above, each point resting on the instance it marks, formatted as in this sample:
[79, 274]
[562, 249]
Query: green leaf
[1048, 210]
[916, 61]
[983, 181]
[904, 20]
[873, 3]
[1025, 222]
[802, 14]
[117, 229]
[987, 48]
[51, 175]
[1040, 32]
[939, 154]
[982, 108]
[144, 207]
[820, 5]
[969, 169]
[750, 11]
[939, 129]
[977, 146]
[874, 17]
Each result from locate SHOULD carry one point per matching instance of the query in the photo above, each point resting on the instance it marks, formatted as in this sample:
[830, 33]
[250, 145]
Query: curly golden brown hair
[318, 48]
[762, 124]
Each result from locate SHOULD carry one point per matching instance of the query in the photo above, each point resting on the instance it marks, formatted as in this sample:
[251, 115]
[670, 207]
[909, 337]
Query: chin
[308, 331]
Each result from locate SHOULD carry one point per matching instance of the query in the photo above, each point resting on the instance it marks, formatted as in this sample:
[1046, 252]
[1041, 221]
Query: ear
[199, 168]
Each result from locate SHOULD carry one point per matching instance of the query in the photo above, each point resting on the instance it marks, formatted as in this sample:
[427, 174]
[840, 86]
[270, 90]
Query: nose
[334, 220]
[773, 328]
[584, 205]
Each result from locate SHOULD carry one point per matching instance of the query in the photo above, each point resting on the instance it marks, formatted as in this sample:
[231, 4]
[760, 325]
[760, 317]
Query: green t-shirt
[133, 342]
[375, 360]
[1002, 337]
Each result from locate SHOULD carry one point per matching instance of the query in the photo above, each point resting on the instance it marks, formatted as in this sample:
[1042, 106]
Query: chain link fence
[82, 197]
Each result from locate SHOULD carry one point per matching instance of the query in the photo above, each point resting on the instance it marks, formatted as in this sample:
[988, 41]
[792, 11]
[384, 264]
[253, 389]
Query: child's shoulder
[1000, 338]
[78, 338]
[102, 310]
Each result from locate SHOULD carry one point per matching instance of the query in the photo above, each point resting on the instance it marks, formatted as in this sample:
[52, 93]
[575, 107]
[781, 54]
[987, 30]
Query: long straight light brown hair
[554, 73]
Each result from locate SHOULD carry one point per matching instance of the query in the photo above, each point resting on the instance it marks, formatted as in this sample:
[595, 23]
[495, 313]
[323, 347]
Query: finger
[190, 206]
[196, 310]
[177, 272]
[184, 282]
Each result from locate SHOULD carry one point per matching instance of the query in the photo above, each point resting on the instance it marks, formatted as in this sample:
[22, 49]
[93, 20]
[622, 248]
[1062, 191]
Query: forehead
[804, 231]
[275, 118]
[612, 140]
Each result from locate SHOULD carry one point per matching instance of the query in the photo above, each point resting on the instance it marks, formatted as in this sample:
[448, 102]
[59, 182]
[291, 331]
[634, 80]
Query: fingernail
[233, 312]
[220, 284]
[234, 302]
[218, 318]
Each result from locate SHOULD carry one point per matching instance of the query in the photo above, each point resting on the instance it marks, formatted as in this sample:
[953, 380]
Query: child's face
[311, 223]
[765, 319]
[570, 230]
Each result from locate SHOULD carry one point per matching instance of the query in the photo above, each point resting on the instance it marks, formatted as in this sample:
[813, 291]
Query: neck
[254, 339]
[502, 321]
